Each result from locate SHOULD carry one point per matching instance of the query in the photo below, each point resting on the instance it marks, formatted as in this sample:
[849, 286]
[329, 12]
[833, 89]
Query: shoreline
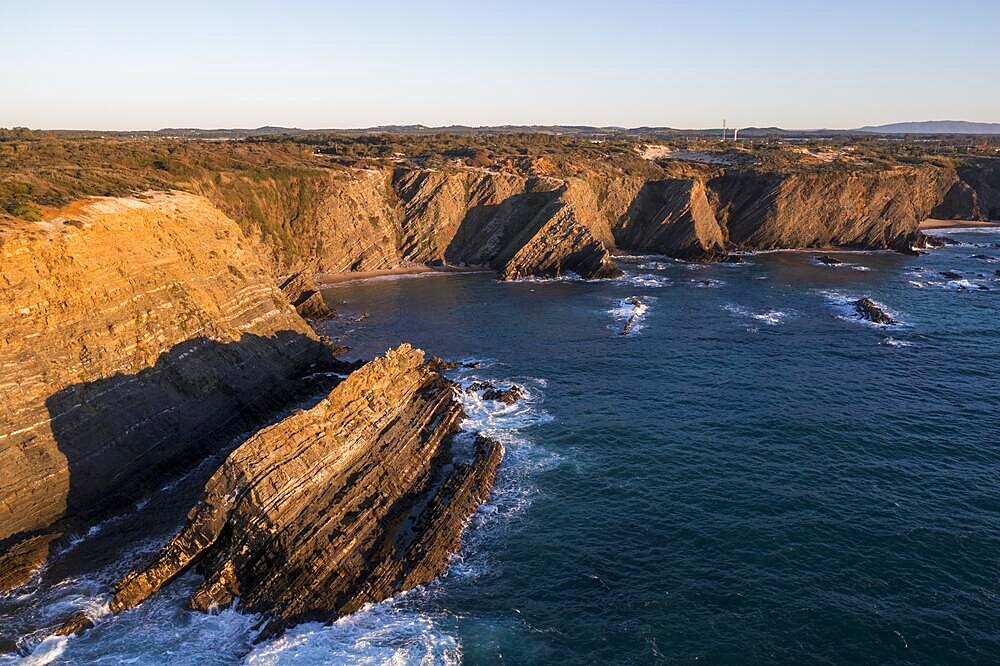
[933, 223]
[327, 280]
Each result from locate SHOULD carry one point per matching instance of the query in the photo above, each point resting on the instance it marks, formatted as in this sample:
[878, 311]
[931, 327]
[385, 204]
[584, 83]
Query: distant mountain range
[930, 127]
[934, 127]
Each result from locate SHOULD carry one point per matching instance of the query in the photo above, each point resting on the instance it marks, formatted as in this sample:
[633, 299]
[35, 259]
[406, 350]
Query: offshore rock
[135, 335]
[349, 502]
[869, 310]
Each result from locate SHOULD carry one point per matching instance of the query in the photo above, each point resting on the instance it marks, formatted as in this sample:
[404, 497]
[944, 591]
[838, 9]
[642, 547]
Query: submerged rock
[951, 275]
[347, 503]
[984, 257]
[827, 260]
[868, 309]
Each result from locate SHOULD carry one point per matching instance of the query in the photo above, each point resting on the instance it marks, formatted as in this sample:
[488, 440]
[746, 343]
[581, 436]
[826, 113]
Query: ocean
[753, 474]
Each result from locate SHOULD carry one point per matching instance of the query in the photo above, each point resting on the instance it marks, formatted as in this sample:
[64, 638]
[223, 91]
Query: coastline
[932, 223]
[327, 280]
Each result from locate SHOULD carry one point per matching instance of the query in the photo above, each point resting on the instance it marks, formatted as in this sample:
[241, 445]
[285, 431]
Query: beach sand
[324, 280]
[931, 223]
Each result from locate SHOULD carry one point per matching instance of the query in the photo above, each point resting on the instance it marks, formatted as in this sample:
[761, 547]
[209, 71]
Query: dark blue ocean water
[753, 475]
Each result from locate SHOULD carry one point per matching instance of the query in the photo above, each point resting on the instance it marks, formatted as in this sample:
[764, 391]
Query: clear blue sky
[143, 65]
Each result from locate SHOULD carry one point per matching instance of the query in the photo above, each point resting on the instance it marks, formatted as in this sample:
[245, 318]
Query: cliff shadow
[485, 232]
[123, 436]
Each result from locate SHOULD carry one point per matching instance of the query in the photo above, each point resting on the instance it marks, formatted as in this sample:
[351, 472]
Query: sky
[215, 63]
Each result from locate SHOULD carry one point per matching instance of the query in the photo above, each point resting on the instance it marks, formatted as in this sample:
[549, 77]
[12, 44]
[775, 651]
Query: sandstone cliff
[975, 195]
[134, 335]
[672, 217]
[865, 209]
[352, 501]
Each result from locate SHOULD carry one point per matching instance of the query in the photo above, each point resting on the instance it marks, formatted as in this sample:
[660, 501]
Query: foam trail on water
[626, 310]
[770, 317]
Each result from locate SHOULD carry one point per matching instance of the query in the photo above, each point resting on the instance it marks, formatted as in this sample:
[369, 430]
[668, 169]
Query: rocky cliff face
[134, 334]
[879, 209]
[525, 224]
[569, 234]
[673, 217]
[975, 195]
[356, 499]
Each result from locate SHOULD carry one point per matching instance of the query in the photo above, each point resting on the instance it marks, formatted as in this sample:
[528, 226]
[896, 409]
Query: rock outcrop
[564, 237]
[869, 209]
[975, 195]
[349, 502]
[134, 334]
[868, 309]
[672, 217]
[305, 296]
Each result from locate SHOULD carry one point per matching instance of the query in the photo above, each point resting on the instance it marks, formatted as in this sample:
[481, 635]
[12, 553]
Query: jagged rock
[509, 395]
[490, 391]
[305, 296]
[868, 309]
[439, 364]
[636, 308]
[147, 334]
[865, 208]
[732, 259]
[672, 217]
[975, 195]
[827, 260]
[951, 275]
[19, 562]
[565, 236]
[354, 500]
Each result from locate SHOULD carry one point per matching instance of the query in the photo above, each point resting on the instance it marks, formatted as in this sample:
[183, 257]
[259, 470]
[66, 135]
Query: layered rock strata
[349, 502]
[305, 296]
[135, 334]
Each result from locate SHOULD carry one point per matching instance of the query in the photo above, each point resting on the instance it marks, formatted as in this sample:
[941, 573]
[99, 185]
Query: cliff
[519, 205]
[862, 208]
[673, 217]
[975, 195]
[135, 334]
[349, 502]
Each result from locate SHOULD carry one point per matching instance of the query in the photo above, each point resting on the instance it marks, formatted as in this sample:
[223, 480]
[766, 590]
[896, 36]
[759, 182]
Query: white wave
[646, 280]
[654, 266]
[45, 652]
[771, 317]
[844, 305]
[568, 276]
[625, 310]
[707, 284]
[384, 633]
[893, 342]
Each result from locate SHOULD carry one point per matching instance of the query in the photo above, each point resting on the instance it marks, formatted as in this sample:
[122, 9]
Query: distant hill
[934, 127]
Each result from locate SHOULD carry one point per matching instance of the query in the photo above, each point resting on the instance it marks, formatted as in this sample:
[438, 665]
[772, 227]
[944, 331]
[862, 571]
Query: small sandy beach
[931, 223]
[324, 280]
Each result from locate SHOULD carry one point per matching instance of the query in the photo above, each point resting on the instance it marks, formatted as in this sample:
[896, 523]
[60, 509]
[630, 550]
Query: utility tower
[723, 129]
